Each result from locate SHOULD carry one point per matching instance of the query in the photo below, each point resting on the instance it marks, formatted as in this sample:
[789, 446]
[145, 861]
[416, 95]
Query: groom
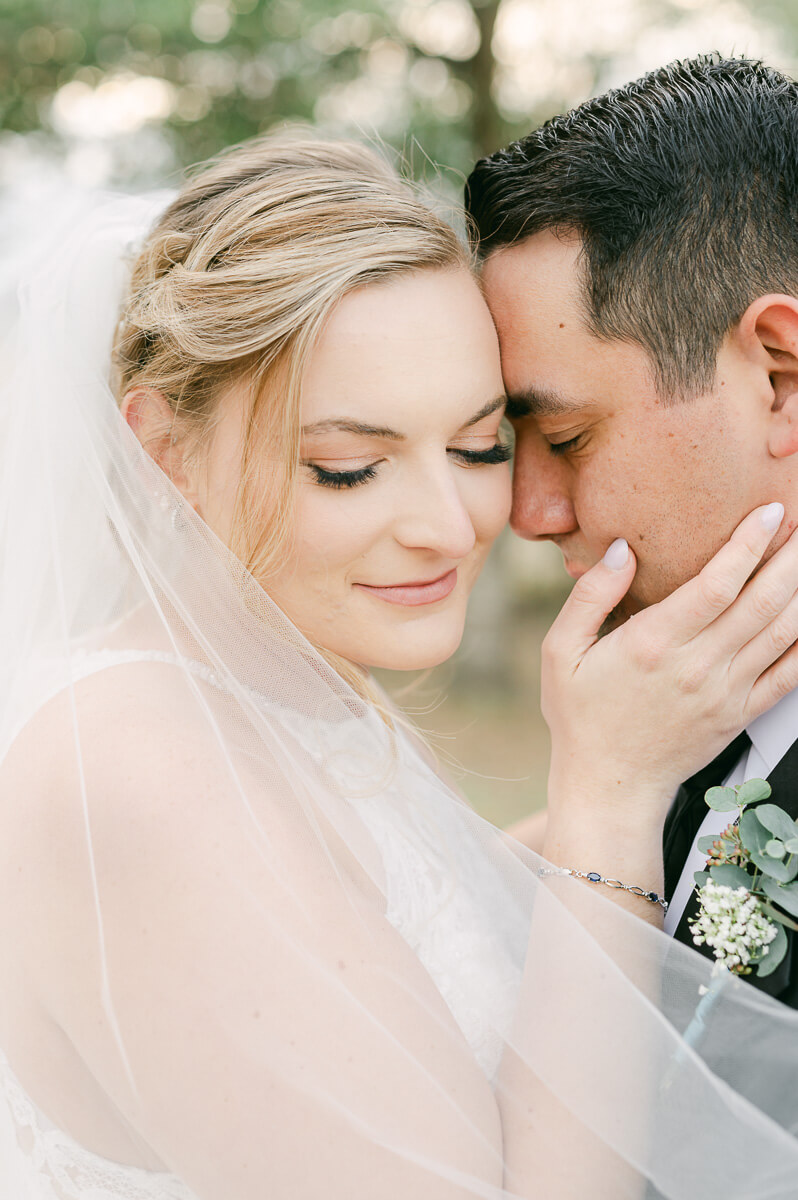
[640, 258]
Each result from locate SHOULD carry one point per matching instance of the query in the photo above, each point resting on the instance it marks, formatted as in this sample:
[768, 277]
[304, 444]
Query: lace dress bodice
[427, 853]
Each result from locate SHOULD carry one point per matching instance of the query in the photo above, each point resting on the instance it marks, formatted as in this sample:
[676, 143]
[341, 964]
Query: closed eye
[341, 479]
[500, 453]
[573, 443]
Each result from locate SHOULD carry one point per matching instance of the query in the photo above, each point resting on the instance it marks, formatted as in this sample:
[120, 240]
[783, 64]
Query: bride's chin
[413, 646]
[410, 658]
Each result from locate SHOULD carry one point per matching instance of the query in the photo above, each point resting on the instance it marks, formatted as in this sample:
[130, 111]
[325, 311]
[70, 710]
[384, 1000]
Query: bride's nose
[433, 516]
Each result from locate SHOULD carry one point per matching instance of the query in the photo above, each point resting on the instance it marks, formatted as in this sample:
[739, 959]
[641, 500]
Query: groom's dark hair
[683, 187]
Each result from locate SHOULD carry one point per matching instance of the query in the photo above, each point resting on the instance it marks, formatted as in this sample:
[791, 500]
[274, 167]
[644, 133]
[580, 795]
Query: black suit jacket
[681, 829]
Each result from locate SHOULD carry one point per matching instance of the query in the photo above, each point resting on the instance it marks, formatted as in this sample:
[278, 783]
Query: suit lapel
[689, 809]
[784, 782]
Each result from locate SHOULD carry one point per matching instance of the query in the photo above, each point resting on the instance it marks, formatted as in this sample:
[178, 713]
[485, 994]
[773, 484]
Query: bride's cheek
[330, 537]
[490, 502]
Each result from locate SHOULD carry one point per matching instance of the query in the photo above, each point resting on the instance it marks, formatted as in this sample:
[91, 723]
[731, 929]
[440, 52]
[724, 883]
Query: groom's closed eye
[570, 444]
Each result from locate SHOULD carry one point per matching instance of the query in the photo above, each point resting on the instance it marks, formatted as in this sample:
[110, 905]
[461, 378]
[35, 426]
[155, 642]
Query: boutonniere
[748, 894]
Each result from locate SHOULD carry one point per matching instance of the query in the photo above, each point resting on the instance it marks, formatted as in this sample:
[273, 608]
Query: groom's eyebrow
[533, 403]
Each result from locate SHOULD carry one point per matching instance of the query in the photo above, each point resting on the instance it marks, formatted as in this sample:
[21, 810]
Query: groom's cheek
[657, 576]
[665, 563]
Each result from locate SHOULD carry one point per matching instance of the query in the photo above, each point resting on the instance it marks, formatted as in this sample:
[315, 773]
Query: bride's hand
[633, 713]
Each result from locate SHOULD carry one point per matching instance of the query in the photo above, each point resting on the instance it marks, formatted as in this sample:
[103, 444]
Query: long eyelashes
[342, 479]
[500, 453]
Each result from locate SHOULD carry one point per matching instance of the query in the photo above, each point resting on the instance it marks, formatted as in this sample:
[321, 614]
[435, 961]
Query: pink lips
[412, 594]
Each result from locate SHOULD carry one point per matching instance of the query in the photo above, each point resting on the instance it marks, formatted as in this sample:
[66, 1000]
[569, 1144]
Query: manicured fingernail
[617, 556]
[772, 516]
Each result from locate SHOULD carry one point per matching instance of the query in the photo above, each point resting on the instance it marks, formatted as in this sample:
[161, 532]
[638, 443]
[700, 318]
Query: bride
[253, 945]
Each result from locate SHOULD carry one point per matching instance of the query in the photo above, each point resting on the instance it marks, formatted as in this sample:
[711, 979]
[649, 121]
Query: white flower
[731, 922]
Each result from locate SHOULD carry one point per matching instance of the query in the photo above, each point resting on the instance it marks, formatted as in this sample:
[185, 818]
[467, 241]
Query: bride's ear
[772, 324]
[149, 415]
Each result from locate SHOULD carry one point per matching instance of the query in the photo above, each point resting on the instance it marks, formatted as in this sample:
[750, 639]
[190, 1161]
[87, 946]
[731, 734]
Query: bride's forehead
[425, 308]
[423, 341]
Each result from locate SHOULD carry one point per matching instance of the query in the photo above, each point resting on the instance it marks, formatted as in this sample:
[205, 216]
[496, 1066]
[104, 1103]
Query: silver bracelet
[594, 877]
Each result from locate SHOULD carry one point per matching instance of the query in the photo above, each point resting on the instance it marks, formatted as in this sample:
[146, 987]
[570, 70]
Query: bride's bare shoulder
[107, 789]
[117, 743]
[147, 758]
[120, 706]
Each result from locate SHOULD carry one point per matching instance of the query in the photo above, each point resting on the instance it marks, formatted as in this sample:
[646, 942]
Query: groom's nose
[542, 503]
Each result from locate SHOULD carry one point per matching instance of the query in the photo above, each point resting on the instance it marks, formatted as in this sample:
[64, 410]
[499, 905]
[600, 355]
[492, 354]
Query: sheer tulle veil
[250, 980]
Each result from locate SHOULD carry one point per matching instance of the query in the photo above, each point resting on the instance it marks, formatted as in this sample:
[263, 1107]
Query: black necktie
[689, 809]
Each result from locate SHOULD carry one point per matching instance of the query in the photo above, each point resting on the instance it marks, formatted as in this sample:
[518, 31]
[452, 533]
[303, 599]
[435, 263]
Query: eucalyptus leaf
[722, 799]
[786, 896]
[705, 844]
[701, 878]
[729, 875]
[792, 845]
[776, 951]
[777, 821]
[752, 791]
[777, 916]
[753, 834]
[755, 838]
[775, 849]
[776, 868]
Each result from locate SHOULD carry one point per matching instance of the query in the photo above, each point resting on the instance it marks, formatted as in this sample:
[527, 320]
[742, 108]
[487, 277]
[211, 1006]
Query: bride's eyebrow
[485, 411]
[346, 425]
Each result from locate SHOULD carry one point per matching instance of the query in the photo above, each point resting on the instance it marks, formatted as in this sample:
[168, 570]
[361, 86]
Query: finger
[769, 645]
[776, 683]
[761, 605]
[592, 599]
[700, 601]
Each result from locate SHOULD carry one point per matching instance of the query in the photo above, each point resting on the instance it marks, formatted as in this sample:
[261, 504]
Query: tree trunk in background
[485, 121]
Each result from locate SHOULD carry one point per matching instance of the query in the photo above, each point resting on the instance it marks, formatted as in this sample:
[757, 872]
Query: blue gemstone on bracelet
[653, 896]
[593, 876]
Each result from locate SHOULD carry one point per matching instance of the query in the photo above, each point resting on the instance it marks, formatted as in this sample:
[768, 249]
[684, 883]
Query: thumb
[592, 599]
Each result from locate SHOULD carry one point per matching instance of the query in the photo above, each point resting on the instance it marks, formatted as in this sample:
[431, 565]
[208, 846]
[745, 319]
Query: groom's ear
[769, 327]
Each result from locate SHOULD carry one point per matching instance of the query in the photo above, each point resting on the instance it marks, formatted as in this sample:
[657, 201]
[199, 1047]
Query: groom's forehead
[554, 364]
[544, 266]
[535, 294]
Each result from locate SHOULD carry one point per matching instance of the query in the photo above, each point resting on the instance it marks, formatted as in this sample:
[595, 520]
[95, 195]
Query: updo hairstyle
[236, 282]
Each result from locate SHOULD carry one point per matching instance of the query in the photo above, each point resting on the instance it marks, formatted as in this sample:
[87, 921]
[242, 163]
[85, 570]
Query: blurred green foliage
[416, 73]
[234, 68]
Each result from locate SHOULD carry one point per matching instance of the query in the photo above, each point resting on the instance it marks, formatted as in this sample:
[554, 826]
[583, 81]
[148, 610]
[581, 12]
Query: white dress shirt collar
[774, 732]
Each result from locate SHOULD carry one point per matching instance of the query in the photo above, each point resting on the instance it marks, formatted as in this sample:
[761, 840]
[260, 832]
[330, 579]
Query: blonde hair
[237, 280]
